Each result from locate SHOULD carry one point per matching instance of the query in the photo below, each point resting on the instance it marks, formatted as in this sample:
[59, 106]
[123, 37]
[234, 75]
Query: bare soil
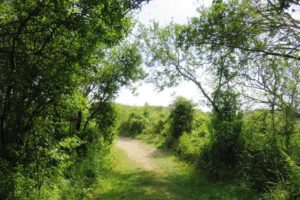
[141, 153]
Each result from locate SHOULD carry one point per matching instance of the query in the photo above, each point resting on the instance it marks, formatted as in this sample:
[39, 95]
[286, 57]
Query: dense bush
[105, 120]
[265, 164]
[264, 167]
[134, 125]
[86, 173]
[180, 119]
[146, 120]
[191, 145]
[221, 156]
[295, 147]
[287, 189]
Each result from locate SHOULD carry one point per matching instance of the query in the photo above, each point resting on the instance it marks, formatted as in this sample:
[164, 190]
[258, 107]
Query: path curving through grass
[142, 172]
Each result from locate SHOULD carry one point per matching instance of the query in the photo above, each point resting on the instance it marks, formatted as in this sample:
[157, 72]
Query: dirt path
[141, 172]
[140, 152]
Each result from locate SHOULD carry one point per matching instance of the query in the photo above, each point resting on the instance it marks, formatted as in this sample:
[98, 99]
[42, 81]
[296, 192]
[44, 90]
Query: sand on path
[140, 152]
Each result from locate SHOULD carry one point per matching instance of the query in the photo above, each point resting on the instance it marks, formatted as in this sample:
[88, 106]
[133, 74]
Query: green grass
[181, 182]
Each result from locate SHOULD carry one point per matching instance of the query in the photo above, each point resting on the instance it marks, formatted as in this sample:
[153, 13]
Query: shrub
[6, 179]
[181, 118]
[86, 173]
[191, 145]
[286, 190]
[295, 148]
[135, 124]
[105, 120]
[292, 185]
[220, 157]
[264, 166]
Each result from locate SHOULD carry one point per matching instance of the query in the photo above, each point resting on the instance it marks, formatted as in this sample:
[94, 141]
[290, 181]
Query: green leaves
[60, 63]
[181, 118]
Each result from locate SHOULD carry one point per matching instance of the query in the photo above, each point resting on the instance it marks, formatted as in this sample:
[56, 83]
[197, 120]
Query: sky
[164, 11]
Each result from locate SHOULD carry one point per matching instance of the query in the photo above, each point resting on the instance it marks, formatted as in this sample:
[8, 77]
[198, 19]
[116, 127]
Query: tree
[275, 83]
[226, 145]
[251, 27]
[169, 62]
[48, 51]
[121, 67]
[240, 38]
[234, 44]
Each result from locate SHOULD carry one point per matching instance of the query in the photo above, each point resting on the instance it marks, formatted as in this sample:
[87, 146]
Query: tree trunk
[78, 121]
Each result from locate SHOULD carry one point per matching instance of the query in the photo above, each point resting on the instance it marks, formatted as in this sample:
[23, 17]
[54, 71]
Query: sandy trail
[140, 152]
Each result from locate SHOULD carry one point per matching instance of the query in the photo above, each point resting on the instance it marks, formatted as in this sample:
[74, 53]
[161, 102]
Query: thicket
[266, 163]
[146, 121]
[168, 127]
[61, 64]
